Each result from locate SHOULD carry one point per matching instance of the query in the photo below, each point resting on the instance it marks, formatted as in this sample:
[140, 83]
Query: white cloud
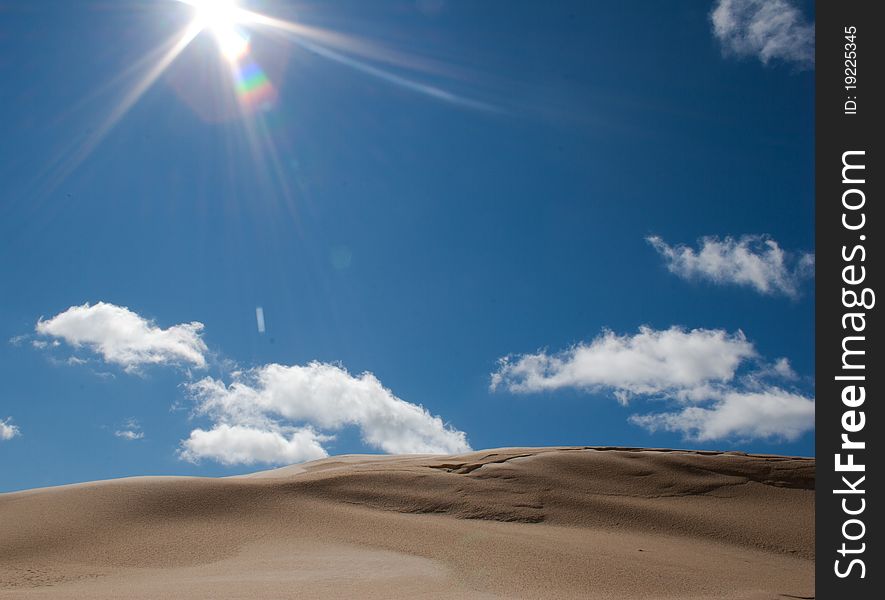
[769, 413]
[648, 362]
[260, 409]
[236, 444]
[780, 369]
[698, 371]
[123, 337]
[771, 30]
[753, 260]
[17, 340]
[8, 430]
[270, 414]
[131, 431]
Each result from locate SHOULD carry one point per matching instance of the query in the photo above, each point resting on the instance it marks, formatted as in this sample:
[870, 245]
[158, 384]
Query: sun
[221, 18]
[215, 14]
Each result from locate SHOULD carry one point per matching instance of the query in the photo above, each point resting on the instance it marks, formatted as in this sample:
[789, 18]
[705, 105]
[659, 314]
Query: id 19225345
[850, 107]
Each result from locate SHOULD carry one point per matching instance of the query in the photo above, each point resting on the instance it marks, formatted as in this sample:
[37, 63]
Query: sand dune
[506, 523]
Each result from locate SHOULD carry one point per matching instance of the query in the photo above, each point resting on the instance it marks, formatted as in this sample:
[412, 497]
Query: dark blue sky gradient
[417, 239]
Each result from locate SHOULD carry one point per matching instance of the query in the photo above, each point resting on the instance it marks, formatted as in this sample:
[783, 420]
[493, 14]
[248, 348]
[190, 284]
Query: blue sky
[602, 210]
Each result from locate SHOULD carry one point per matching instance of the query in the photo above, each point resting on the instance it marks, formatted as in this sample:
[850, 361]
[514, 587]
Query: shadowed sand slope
[506, 523]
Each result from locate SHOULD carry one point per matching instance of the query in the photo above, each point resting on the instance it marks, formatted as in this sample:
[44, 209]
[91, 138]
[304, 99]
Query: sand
[507, 523]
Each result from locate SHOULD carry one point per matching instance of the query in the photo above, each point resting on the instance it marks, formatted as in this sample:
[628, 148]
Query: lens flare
[254, 89]
[222, 18]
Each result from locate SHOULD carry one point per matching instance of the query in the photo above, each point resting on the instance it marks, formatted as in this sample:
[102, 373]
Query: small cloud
[131, 431]
[783, 368]
[43, 344]
[779, 369]
[17, 340]
[770, 30]
[755, 261]
[124, 338]
[8, 430]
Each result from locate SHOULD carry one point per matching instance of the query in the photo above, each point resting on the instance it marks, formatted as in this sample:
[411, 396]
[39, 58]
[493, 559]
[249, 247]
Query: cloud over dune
[276, 410]
[237, 444]
[702, 374]
[269, 414]
[645, 363]
[766, 413]
[124, 338]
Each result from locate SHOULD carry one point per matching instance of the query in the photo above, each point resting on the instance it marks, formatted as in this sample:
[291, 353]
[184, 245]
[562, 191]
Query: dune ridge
[575, 522]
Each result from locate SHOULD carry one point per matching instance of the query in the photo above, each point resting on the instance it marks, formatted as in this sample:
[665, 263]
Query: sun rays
[233, 27]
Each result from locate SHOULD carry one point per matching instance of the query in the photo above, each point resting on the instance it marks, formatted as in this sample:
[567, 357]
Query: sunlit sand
[506, 523]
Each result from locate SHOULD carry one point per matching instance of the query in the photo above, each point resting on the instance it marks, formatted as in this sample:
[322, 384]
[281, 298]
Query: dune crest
[504, 523]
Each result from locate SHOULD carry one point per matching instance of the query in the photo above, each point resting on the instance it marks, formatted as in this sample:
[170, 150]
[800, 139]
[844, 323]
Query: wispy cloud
[755, 261]
[17, 340]
[131, 431]
[8, 430]
[698, 371]
[278, 414]
[42, 344]
[771, 30]
[124, 338]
